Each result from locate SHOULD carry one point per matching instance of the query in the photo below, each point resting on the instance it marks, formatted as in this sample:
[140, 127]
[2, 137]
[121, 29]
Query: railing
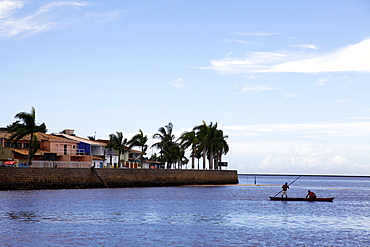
[68, 151]
[61, 164]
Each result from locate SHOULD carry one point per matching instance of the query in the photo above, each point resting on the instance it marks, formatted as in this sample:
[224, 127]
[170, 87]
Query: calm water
[239, 215]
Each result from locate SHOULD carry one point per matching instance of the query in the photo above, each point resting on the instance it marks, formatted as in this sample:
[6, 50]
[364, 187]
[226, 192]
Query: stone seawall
[13, 178]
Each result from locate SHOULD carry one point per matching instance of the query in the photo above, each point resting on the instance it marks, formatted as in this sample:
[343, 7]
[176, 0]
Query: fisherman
[285, 190]
[311, 194]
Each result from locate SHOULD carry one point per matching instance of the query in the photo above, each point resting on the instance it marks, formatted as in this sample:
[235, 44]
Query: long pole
[289, 184]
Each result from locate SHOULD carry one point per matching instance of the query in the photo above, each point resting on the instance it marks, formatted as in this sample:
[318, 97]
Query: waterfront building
[96, 149]
[66, 150]
[105, 158]
[54, 151]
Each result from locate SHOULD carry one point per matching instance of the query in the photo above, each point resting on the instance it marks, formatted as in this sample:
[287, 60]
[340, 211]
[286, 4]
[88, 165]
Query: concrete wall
[72, 178]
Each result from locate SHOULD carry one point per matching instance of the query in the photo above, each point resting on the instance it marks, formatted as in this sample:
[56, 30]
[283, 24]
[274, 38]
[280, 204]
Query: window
[8, 144]
[13, 145]
[65, 149]
[26, 145]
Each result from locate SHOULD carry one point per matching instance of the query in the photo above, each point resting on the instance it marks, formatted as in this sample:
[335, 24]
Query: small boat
[322, 199]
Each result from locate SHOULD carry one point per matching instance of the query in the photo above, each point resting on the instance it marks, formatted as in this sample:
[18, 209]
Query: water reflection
[23, 216]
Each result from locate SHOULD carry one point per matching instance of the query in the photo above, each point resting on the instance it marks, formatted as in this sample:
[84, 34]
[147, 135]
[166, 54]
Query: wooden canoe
[322, 199]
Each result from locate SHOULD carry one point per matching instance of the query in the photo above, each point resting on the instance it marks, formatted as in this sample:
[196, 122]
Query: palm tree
[221, 147]
[166, 143]
[139, 140]
[198, 155]
[211, 142]
[173, 155]
[202, 133]
[155, 157]
[181, 159]
[26, 126]
[187, 139]
[118, 143]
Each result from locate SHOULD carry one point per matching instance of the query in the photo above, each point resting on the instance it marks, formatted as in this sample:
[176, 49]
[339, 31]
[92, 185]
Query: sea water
[235, 215]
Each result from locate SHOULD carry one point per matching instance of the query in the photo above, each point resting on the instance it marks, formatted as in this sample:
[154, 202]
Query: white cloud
[256, 88]
[254, 33]
[349, 58]
[317, 148]
[8, 7]
[321, 82]
[300, 157]
[105, 17]
[45, 18]
[239, 41]
[337, 159]
[16, 21]
[177, 83]
[309, 130]
[306, 46]
[56, 5]
[293, 163]
[291, 95]
[255, 62]
[253, 77]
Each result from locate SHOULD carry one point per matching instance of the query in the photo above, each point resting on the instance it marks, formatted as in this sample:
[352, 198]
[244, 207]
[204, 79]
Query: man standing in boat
[285, 190]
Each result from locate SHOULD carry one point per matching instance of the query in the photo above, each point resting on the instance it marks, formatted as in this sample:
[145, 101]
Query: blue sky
[287, 81]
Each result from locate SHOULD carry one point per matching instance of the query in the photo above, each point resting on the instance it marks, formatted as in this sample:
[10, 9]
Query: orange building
[54, 151]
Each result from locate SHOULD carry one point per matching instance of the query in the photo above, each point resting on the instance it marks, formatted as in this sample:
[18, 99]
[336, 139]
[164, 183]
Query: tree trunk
[110, 161]
[30, 151]
[211, 159]
[217, 160]
[193, 157]
[204, 158]
[142, 158]
[119, 159]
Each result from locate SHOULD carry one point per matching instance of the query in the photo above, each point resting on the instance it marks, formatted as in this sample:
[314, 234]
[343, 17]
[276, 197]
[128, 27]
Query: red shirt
[311, 194]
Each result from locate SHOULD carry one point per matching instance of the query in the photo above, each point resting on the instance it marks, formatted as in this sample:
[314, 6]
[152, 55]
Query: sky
[286, 81]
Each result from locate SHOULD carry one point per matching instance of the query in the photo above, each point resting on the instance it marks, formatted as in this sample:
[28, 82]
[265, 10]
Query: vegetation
[118, 143]
[26, 126]
[204, 141]
[155, 157]
[210, 143]
[139, 140]
[166, 145]
[190, 139]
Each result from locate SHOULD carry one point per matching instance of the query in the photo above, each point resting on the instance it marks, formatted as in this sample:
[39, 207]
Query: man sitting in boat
[311, 194]
[285, 190]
